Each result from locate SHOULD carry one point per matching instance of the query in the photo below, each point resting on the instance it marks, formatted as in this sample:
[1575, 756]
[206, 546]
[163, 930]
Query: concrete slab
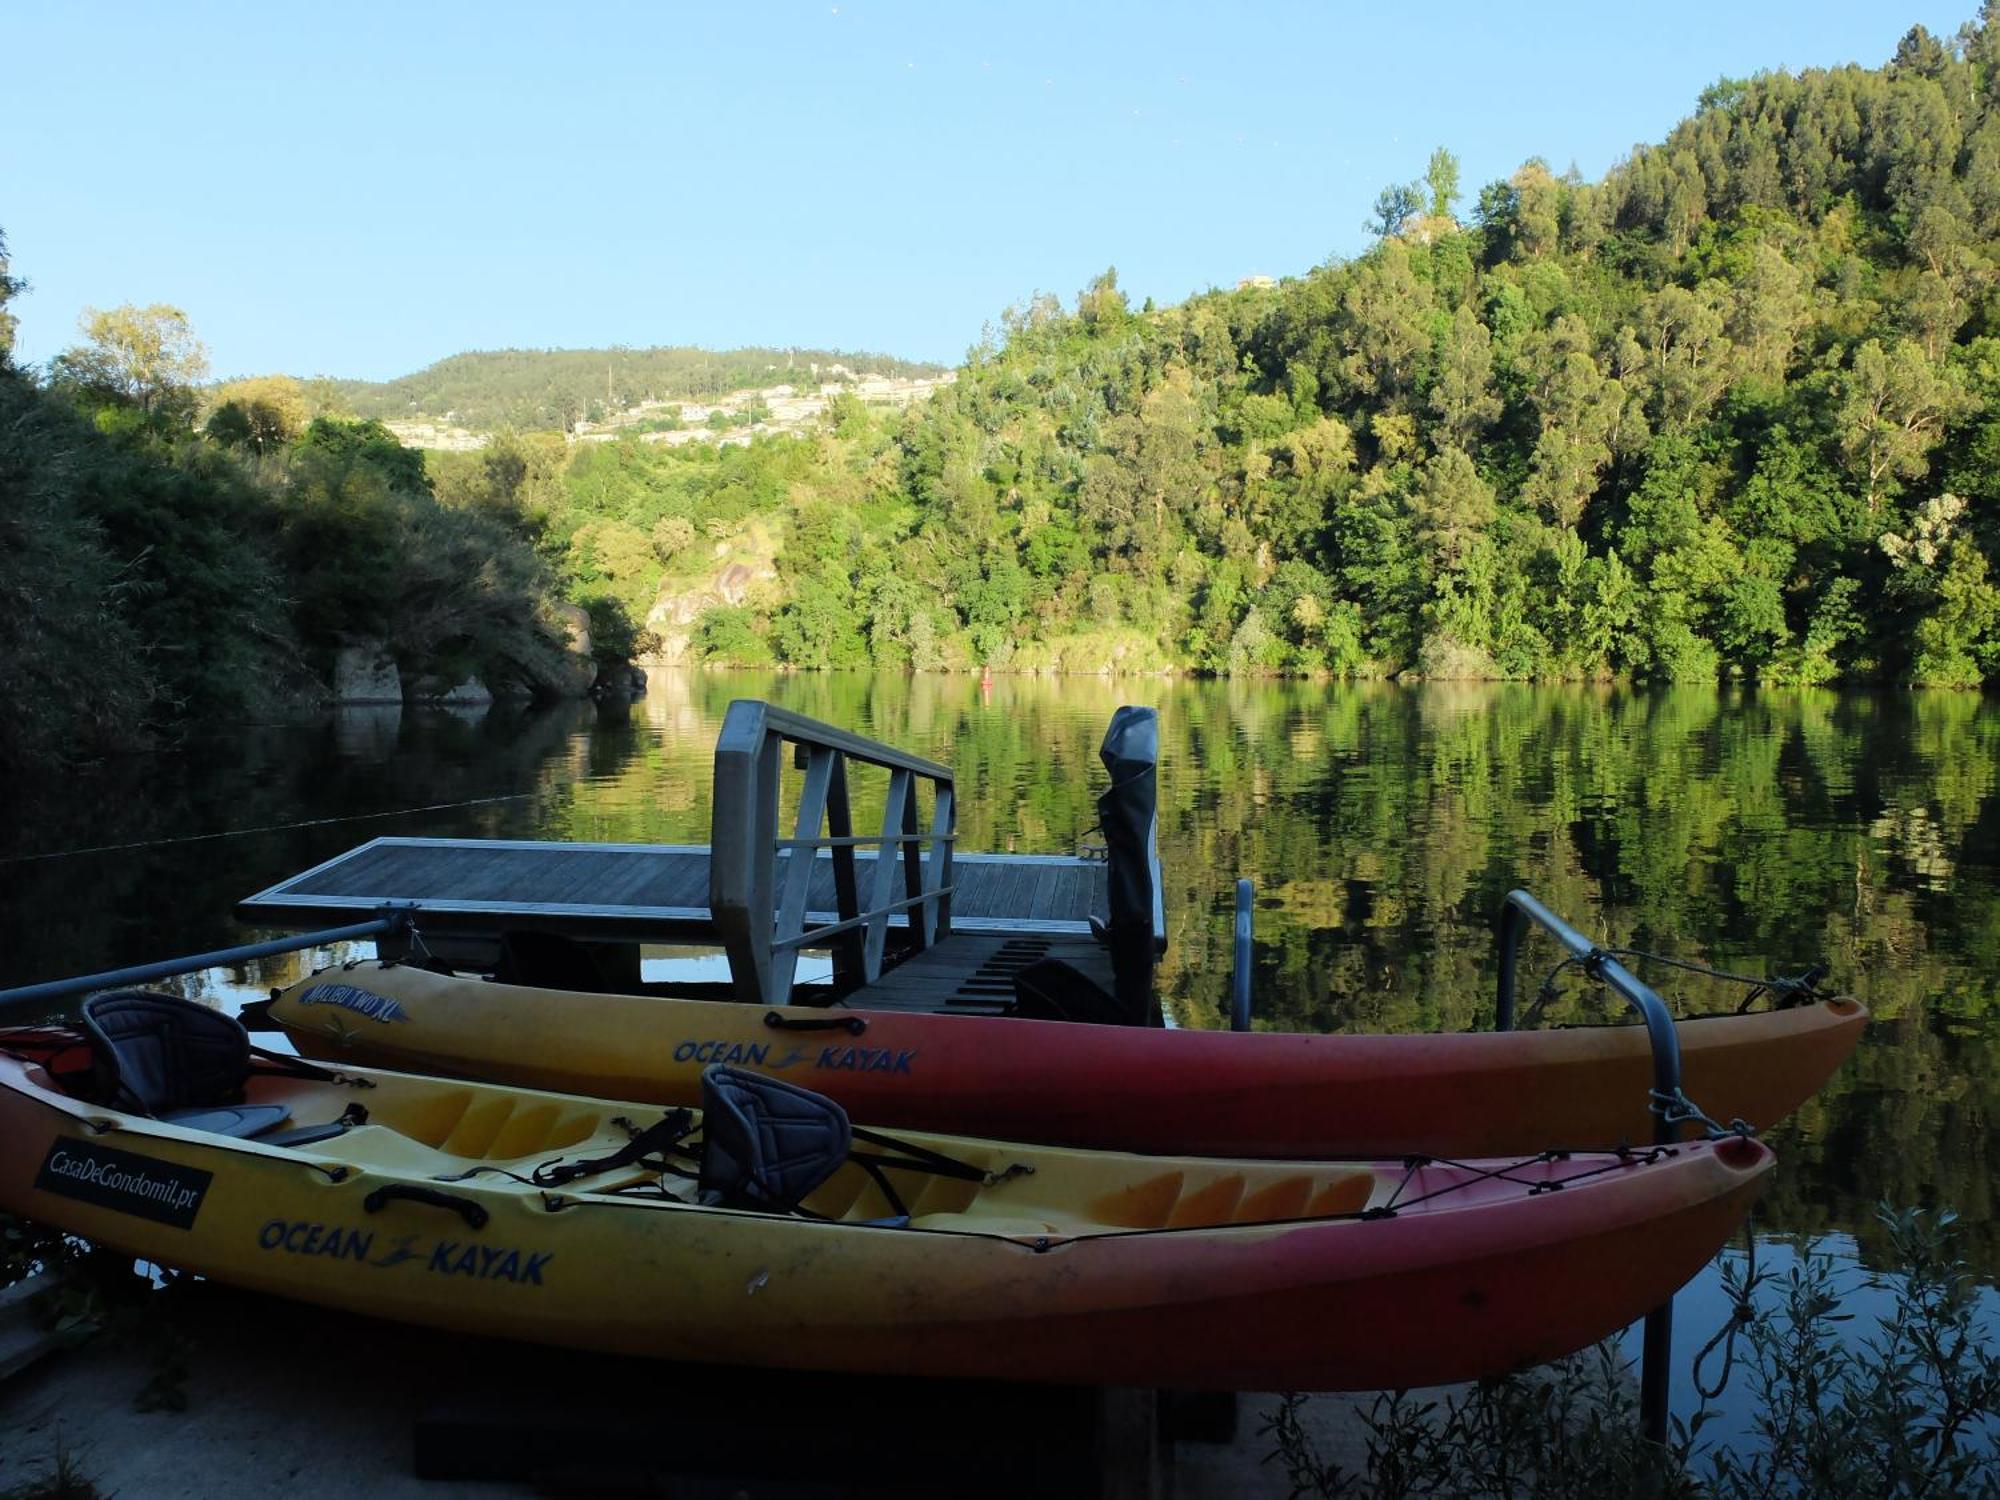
[294, 1400]
[280, 1400]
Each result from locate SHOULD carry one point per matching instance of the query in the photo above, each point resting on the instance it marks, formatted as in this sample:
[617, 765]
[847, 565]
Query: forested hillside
[166, 556]
[557, 388]
[1735, 408]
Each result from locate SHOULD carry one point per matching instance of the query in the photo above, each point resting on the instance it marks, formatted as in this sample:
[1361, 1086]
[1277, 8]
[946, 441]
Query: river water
[1758, 831]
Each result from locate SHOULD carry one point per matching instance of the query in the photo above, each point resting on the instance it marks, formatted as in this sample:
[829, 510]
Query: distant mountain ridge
[557, 388]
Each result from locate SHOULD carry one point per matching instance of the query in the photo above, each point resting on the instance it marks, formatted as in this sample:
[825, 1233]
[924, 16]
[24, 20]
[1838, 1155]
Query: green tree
[262, 415]
[1395, 206]
[147, 356]
[1894, 405]
[1452, 506]
[1101, 304]
[1463, 397]
[1441, 177]
[1578, 407]
[10, 288]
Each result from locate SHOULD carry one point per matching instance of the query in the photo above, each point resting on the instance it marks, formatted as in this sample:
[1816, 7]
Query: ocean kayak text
[834, 1058]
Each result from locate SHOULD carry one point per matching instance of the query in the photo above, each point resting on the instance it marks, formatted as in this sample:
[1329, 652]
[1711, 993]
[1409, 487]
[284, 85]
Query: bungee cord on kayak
[1742, 1313]
[1792, 989]
[1476, 1173]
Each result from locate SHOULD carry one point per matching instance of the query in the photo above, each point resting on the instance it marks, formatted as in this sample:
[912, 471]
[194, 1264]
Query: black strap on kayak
[1793, 989]
[662, 1136]
[923, 1159]
[916, 1158]
[288, 1065]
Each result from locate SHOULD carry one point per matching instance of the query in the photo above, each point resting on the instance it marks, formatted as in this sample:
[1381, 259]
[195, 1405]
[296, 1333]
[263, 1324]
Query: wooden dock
[911, 922]
[640, 892]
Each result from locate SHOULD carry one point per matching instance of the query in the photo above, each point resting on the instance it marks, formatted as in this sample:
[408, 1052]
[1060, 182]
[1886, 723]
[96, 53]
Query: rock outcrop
[578, 669]
[674, 615]
[466, 694]
[365, 672]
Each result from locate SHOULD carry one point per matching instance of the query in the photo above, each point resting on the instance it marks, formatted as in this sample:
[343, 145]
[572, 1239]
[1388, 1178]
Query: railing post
[1239, 987]
[909, 855]
[798, 861]
[879, 897]
[742, 827]
[846, 891]
[937, 864]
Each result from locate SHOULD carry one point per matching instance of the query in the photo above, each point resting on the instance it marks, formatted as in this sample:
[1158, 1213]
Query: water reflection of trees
[1382, 825]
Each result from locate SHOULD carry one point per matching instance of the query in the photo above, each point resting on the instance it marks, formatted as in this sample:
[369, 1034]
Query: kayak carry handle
[474, 1214]
[777, 1020]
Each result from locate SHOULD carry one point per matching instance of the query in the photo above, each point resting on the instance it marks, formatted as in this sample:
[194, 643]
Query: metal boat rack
[1516, 912]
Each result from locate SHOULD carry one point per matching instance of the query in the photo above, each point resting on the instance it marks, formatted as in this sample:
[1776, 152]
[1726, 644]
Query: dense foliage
[150, 574]
[1734, 409]
[555, 388]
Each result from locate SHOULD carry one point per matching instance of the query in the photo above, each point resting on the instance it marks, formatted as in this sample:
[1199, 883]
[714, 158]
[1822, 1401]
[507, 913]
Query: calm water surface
[1761, 831]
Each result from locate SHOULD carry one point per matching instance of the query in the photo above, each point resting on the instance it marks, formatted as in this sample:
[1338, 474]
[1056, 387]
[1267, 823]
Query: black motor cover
[1128, 812]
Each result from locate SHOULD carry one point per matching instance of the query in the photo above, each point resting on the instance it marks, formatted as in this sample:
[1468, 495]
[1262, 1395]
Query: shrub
[1911, 1410]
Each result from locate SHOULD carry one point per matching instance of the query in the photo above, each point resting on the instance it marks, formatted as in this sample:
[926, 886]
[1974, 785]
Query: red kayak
[1122, 1088]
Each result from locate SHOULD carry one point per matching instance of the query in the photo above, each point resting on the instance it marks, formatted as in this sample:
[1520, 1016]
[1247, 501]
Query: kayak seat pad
[240, 1120]
[765, 1143]
[158, 1055]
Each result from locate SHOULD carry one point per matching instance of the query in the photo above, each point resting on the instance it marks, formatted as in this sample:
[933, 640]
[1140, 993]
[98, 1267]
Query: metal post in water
[391, 920]
[1239, 985]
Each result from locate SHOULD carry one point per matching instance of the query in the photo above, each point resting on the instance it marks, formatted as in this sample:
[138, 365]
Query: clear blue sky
[361, 189]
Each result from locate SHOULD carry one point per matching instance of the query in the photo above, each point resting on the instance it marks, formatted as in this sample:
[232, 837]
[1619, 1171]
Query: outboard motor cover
[1128, 812]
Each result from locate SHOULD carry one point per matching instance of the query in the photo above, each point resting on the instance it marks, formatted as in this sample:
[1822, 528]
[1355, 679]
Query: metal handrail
[856, 840]
[758, 882]
[1516, 912]
[819, 935]
[390, 920]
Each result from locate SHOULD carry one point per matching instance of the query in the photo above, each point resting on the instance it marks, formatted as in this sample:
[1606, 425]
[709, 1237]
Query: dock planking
[972, 974]
[641, 892]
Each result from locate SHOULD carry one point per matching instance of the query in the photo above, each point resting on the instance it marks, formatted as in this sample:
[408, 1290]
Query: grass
[64, 1481]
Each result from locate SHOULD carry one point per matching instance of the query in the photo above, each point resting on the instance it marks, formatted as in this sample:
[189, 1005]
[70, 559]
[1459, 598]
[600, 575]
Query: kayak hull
[1032, 1279]
[1262, 1094]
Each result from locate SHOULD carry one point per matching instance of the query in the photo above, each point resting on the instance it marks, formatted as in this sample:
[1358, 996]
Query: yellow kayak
[610, 1226]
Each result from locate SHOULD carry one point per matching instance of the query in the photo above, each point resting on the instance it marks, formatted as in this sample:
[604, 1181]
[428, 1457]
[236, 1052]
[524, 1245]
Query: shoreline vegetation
[1731, 413]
